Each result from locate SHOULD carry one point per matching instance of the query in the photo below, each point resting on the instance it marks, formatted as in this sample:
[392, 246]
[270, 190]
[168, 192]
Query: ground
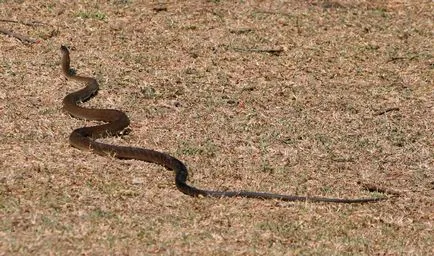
[311, 97]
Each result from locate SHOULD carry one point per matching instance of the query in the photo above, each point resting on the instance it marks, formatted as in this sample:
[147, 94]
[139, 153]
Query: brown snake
[116, 121]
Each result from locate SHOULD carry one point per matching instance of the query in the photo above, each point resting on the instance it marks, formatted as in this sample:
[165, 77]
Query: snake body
[116, 121]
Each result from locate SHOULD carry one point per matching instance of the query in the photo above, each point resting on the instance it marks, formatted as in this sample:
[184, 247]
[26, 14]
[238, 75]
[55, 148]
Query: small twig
[298, 26]
[32, 23]
[392, 59]
[273, 12]
[332, 5]
[240, 31]
[271, 51]
[160, 8]
[373, 188]
[23, 39]
[382, 112]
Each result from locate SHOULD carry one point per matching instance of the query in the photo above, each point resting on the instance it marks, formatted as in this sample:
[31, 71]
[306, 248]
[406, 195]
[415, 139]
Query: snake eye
[64, 49]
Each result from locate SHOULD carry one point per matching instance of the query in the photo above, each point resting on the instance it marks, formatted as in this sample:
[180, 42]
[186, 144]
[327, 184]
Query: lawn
[319, 98]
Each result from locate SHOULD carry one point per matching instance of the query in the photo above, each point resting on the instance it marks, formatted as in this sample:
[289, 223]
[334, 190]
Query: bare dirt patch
[294, 97]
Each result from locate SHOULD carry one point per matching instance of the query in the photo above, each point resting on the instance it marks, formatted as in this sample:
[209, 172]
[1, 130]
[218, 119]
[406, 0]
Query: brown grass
[306, 119]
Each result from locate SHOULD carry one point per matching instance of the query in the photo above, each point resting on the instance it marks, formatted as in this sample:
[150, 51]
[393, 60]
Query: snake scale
[116, 121]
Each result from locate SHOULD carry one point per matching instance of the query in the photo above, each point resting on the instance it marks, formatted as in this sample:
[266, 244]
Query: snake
[116, 121]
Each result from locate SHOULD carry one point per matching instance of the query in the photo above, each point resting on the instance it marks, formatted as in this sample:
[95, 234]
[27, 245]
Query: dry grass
[304, 120]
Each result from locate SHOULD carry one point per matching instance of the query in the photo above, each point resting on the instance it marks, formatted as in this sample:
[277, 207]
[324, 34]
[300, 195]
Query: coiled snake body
[116, 121]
